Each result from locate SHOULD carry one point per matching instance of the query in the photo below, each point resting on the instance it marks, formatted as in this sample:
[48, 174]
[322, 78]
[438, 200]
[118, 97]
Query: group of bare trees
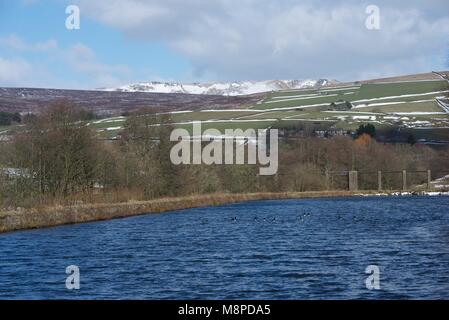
[57, 157]
[53, 155]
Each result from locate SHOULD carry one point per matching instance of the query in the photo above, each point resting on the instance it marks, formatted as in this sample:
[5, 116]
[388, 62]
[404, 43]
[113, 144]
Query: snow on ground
[402, 96]
[294, 107]
[307, 120]
[176, 112]
[388, 103]
[301, 98]
[297, 96]
[230, 110]
[439, 183]
[219, 88]
[113, 128]
[107, 120]
[353, 112]
[224, 121]
[432, 127]
[419, 193]
[416, 113]
[391, 118]
[443, 104]
[371, 118]
[420, 122]
[446, 177]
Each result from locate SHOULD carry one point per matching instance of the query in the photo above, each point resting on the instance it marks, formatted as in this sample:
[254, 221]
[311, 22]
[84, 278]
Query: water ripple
[283, 249]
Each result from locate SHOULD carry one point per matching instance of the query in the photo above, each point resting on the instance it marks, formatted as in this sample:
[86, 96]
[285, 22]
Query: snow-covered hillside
[220, 88]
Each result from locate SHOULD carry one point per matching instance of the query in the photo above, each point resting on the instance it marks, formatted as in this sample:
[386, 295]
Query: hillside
[412, 104]
[235, 88]
[409, 105]
[106, 103]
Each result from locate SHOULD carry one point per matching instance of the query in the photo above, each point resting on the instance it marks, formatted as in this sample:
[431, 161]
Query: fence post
[429, 179]
[379, 180]
[404, 180]
[353, 180]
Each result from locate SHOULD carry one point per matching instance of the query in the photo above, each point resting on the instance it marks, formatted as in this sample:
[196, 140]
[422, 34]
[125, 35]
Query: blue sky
[35, 22]
[122, 41]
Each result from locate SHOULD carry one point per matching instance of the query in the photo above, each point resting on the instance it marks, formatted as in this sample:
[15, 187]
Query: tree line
[57, 159]
[8, 118]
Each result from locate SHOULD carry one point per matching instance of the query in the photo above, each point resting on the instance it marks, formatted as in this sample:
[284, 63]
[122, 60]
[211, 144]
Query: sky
[127, 41]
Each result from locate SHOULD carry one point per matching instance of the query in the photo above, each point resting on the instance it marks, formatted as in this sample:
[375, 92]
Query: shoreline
[34, 218]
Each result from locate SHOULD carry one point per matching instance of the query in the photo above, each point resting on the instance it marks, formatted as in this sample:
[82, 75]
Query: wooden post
[429, 179]
[404, 180]
[353, 181]
[327, 180]
[379, 180]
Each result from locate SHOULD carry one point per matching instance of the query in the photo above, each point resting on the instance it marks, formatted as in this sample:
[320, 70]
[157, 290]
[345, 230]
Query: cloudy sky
[122, 41]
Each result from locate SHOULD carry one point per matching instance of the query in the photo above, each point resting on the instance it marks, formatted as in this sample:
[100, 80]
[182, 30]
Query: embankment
[53, 216]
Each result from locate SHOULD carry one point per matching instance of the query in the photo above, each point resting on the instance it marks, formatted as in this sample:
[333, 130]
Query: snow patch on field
[297, 96]
[417, 113]
[308, 120]
[388, 103]
[113, 128]
[370, 118]
[230, 110]
[225, 121]
[301, 98]
[182, 111]
[353, 112]
[403, 96]
[107, 120]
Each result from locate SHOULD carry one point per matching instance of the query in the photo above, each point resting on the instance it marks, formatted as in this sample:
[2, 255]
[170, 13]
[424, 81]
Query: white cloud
[13, 71]
[83, 59]
[13, 42]
[286, 39]
[79, 60]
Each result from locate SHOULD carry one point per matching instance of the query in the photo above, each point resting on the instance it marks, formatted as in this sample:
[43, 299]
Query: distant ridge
[222, 88]
[113, 102]
[427, 76]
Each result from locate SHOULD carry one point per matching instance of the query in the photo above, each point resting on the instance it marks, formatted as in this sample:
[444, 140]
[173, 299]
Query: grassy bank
[60, 215]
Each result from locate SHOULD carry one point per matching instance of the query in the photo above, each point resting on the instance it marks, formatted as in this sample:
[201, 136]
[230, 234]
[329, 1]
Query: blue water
[284, 249]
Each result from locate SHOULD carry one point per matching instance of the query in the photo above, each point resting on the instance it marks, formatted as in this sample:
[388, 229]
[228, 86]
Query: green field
[374, 93]
[410, 105]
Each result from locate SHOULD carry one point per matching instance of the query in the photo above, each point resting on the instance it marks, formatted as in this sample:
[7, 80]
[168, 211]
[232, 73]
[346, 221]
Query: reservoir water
[282, 249]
